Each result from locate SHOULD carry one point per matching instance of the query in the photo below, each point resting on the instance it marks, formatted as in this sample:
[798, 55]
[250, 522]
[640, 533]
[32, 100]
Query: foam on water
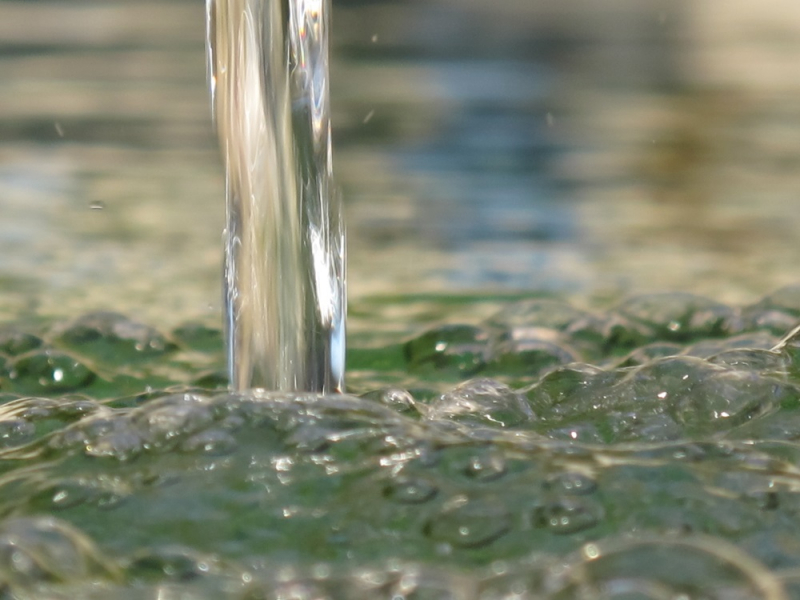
[284, 266]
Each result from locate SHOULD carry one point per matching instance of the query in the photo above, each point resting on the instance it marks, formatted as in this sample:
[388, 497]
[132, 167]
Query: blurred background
[582, 147]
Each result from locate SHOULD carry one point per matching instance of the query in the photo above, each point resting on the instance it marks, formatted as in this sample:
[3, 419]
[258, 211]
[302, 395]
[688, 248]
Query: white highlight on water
[285, 253]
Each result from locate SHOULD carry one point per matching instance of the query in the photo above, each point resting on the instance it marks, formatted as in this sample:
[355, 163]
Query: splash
[284, 266]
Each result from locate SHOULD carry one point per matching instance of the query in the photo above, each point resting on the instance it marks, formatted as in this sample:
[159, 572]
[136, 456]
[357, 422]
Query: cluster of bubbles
[650, 451]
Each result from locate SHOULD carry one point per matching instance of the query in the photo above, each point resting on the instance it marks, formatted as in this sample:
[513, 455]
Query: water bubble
[164, 421]
[483, 401]
[450, 349]
[765, 362]
[171, 564]
[469, 523]
[681, 317]
[32, 409]
[24, 419]
[15, 432]
[776, 322]
[701, 396]
[48, 371]
[395, 398]
[214, 442]
[622, 336]
[14, 343]
[44, 550]
[567, 514]
[407, 490]
[62, 495]
[528, 357]
[101, 435]
[486, 466]
[777, 312]
[691, 567]
[747, 341]
[473, 463]
[570, 483]
[110, 337]
[570, 391]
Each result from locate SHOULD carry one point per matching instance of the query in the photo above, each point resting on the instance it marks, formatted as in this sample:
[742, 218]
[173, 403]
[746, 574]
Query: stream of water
[284, 253]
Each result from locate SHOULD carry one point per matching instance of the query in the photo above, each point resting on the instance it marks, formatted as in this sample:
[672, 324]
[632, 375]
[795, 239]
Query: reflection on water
[523, 146]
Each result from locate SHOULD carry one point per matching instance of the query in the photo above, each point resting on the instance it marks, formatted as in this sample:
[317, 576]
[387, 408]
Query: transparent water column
[284, 276]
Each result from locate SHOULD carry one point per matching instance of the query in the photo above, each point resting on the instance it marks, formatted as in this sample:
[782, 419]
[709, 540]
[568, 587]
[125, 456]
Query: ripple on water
[570, 480]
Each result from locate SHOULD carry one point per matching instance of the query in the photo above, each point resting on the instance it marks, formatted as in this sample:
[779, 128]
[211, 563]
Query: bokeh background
[580, 147]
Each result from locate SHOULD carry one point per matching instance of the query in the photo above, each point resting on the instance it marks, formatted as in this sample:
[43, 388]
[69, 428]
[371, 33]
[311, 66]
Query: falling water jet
[284, 242]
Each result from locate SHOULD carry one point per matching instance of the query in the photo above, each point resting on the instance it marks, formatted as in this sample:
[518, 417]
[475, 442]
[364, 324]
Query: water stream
[284, 265]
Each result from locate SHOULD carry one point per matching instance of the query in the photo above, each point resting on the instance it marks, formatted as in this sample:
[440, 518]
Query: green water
[648, 450]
